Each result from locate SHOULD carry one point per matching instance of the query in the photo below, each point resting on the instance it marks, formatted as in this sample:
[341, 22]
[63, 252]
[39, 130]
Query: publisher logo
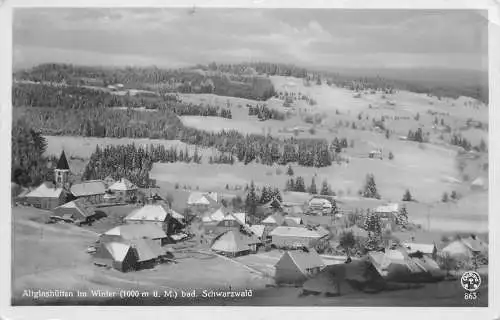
[471, 281]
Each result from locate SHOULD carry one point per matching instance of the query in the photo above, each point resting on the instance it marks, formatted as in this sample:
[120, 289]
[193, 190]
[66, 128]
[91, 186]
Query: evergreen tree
[312, 188]
[407, 196]
[325, 190]
[290, 170]
[370, 188]
[402, 217]
[265, 196]
[373, 225]
[299, 185]
[277, 194]
[251, 200]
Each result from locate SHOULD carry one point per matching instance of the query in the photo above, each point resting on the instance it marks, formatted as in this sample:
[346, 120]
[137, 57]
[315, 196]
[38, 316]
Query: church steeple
[62, 164]
[61, 172]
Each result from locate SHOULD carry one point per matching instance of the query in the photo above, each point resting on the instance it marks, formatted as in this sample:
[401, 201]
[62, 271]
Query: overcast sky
[306, 37]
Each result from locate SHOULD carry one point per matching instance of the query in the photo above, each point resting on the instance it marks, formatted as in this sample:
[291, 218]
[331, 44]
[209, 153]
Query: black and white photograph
[278, 157]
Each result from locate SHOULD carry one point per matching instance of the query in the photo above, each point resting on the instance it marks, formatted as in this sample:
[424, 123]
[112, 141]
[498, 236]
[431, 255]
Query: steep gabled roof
[305, 260]
[62, 164]
[231, 241]
[146, 249]
[117, 250]
[277, 219]
[79, 206]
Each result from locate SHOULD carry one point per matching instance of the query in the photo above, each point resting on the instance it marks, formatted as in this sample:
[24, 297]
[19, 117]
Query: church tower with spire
[61, 172]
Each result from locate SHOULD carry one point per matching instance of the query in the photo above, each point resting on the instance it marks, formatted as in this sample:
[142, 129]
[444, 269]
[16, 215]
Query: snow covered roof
[294, 232]
[320, 202]
[137, 231]
[241, 217]
[274, 219]
[88, 188]
[305, 260]
[83, 210]
[198, 198]
[231, 241]
[153, 212]
[117, 250]
[390, 208]
[44, 191]
[123, 185]
[146, 249]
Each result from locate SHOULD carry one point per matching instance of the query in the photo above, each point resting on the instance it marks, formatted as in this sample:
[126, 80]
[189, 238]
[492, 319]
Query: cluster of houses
[140, 242]
[73, 201]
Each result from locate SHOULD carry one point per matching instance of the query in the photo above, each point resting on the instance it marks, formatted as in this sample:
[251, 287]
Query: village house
[231, 221]
[75, 210]
[124, 190]
[234, 243]
[47, 196]
[388, 214]
[201, 202]
[130, 255]
[92, 191]
[466, 248]
[294, 237]
[296, 266]
[397, 265]
[320, 205]
[159, 215]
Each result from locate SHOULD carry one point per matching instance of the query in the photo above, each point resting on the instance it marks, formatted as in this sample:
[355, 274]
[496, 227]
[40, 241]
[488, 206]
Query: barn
[296, 266]
[117, 255]
[92, 191]
[157, 214]
[294, 237]
[75, 210]
[234, 243]
[46, 196]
